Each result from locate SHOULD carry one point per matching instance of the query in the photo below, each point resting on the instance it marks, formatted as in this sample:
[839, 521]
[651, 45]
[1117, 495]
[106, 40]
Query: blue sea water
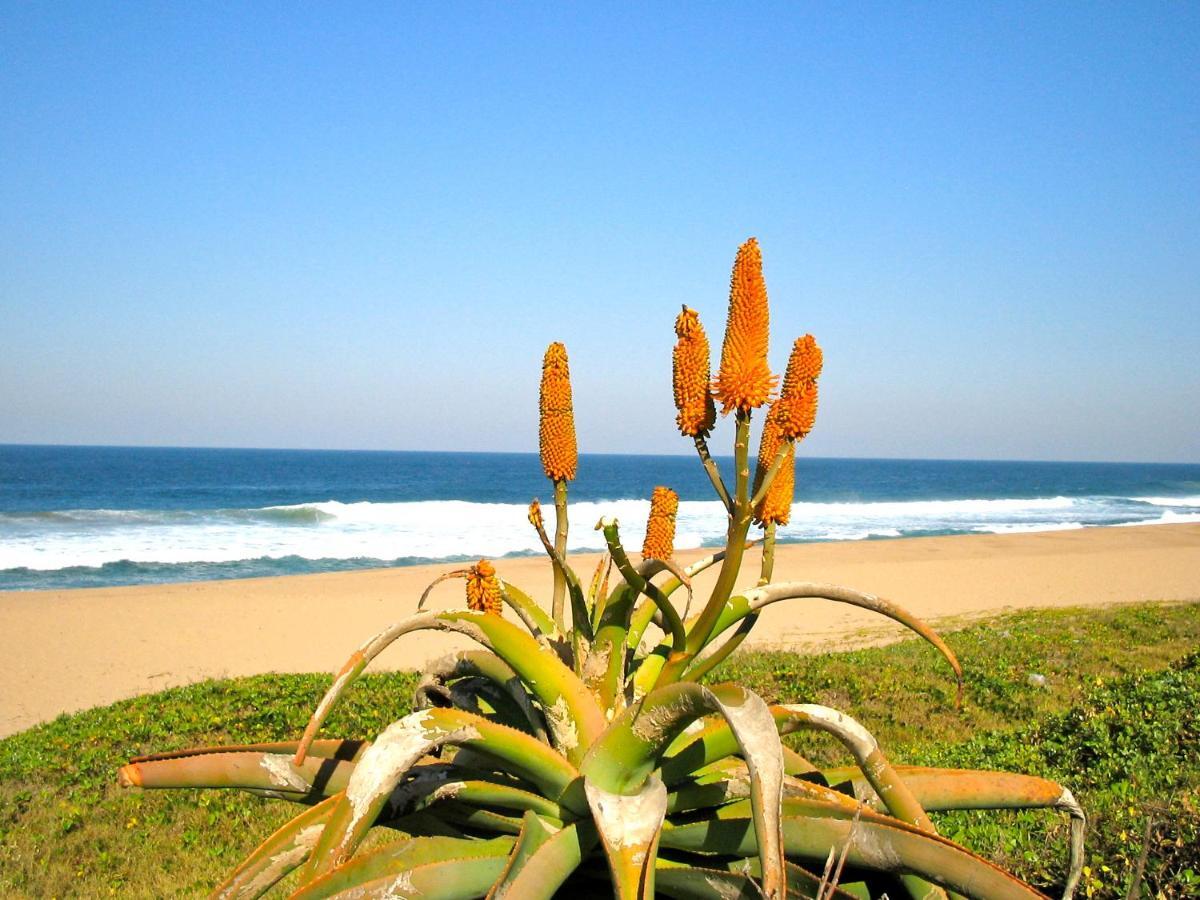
[92, 516]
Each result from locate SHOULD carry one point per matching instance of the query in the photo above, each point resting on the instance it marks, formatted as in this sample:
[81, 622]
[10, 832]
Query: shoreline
[72, 649]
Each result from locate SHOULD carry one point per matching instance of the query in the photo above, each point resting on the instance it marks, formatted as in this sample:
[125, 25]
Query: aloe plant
[578, 749]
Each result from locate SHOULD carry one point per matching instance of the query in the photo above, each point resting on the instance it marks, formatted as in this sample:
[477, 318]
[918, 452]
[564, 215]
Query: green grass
[1117, 722]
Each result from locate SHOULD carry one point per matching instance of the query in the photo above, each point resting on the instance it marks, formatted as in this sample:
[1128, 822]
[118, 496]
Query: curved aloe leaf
[395, 752]
[274, 858]
[623, 758]
[437, 879]
[534, 833]
[544, 870]
[882, 845]
[571, 710]
[629, 826]
[275, 773]
[483, 663]
[938, 790]
[534, 617]
[759, 598]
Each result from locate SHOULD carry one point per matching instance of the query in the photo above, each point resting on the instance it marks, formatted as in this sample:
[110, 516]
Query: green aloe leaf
[631, 748]
[285, 850]
[438, 879]
[571, 710]
[534, 833]
[629, 826]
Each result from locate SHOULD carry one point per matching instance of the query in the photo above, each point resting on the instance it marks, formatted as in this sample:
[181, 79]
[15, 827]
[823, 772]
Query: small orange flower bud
[557, 421]
[691, 376]
[660, 529]
[745, 380]
[483, 588]
[535, 514]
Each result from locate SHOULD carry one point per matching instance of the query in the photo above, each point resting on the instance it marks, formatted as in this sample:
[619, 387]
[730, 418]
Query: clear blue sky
[354, 226]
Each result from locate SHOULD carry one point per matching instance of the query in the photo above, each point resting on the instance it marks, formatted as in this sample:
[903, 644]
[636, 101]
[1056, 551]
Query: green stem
[674, 625]
[735, 543]
[560, 546]
[714, 474]
[768, 557]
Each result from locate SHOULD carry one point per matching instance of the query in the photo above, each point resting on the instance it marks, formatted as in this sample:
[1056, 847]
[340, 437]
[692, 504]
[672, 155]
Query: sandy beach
[74, 649]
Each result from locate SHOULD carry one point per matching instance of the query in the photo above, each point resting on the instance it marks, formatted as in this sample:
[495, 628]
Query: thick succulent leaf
[466, 664]
[472, 820]
[274, 773]
[939, 790]
[534, 617]
[629, 826]
[575, 718]
[887, 783]
[633, 745]
[484, 794]
[692, 883]
[382, 767]
[285, 850]
[534, 833]
[545, 869]
[873, 843]
[444, 879]
[756, 599]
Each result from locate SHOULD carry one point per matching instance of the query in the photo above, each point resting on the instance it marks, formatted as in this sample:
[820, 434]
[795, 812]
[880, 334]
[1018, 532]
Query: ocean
[97, 516]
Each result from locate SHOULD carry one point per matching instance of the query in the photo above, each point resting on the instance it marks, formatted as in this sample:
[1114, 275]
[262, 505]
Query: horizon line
[681, 454]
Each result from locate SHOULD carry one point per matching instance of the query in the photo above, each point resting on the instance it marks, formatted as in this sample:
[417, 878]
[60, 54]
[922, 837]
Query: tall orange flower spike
[483, 588]
[798, 399]
[660, 529]
[745, 380]
[557, 421]
[691, 377]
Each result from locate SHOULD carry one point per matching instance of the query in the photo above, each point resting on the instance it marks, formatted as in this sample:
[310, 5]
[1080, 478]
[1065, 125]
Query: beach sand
[69, 650]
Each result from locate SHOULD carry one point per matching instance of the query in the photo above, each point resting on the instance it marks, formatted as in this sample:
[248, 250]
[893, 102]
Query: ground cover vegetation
[1116, 721]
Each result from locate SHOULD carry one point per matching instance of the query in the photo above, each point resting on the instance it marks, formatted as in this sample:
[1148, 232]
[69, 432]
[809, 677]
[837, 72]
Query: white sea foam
[1193, 500]
[458, 529]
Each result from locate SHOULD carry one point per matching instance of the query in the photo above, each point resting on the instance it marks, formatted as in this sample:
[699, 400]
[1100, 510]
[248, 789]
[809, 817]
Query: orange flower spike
[799, 394]
[483, 588]
[660, 529]
[691, 376]
[560, 455]
[745, 380]
[776, 506]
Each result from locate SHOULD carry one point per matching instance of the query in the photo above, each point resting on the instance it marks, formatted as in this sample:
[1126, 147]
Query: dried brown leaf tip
[483, 588]
[744, 381]
[691, 376]
[557, 420]
[660, 528]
